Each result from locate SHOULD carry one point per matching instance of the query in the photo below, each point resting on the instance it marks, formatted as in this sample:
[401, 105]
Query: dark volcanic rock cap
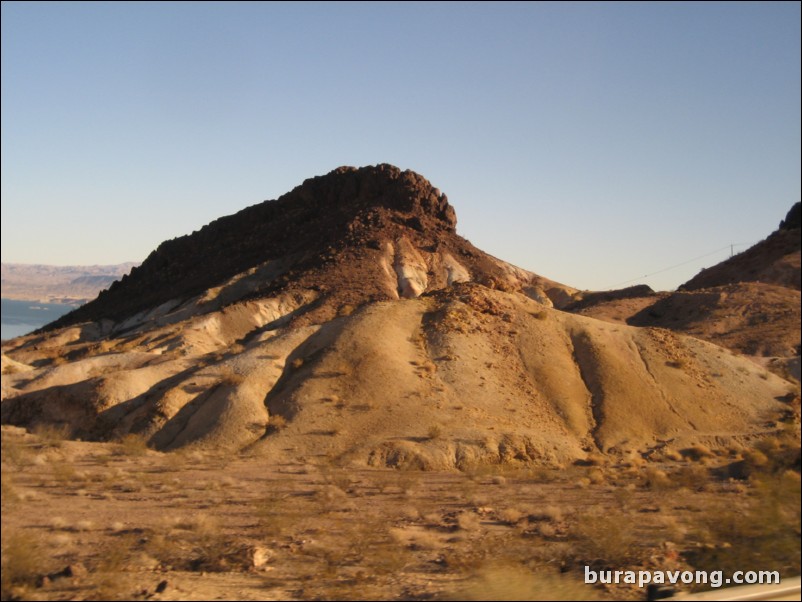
[322, 216]
[792, 220]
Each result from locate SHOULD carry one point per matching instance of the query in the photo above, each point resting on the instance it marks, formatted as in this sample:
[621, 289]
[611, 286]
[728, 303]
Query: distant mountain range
[69, 284]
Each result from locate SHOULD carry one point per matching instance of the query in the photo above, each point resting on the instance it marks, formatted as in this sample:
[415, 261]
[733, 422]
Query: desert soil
[119, 521]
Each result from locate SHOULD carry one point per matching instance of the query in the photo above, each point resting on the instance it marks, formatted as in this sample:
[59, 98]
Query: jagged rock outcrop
[792, 221]
[351, 236]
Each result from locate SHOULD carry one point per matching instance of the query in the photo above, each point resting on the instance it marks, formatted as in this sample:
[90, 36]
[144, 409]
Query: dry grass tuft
[230, 377]
[512, 582]
[51, 435]
[656, 479]
[510, 516]
[549, 513]
[468, 521]
[762, 530]
[133, 445]
[276, 423]
[435, 432]
[23, 562]
[346, 310]
[197, 543]
[696, 453]
[599, 539]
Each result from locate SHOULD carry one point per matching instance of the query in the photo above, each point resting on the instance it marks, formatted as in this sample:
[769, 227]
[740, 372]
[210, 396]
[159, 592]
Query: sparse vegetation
[515, 582]
[761, 530]
[23, 562]
[346, 310]
[277, 422]
[230, 377]
[132, 444]
[236, 348]
[51, 435]
[468, 521]
[435, 432]
[353, 533]
[696, 453]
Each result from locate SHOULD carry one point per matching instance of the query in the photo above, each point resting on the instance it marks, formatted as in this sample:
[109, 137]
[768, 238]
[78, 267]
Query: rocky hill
[349, 237]
[775, 260]
[749, 303]
[347, 320]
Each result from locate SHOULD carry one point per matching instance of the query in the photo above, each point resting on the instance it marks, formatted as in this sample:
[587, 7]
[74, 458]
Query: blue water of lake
[22, 317]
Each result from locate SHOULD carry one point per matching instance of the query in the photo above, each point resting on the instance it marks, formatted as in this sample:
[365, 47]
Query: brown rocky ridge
[774, 260]
[749, 303]
[351, 236]
[347, 320]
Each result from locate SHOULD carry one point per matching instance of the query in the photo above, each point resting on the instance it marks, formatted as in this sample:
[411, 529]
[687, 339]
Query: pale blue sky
[590, 143]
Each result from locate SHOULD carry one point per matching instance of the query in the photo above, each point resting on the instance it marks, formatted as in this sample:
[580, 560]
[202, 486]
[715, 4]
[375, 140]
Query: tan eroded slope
[459, 377]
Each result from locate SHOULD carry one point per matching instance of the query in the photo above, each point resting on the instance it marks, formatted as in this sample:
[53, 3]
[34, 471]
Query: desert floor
[119, 521]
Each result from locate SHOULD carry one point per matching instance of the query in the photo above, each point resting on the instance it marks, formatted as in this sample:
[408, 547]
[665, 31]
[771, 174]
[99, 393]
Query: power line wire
[730, 246]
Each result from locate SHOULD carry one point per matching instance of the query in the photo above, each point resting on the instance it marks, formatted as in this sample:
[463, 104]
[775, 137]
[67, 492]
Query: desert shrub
[230, 377]
[761, 531]
[197, 544]
[512, 582]
[672, 455]
[510, 516]
[549, 513]
[15, 452]
[595, 459]
[341, 479]
[601, 540]
[656, 479]
[596, 476]
[775, 454]
[346, 310]
[696, 452]
[132, 444]
[693, 477]
[275, 514]
[22, 562]
[64, 473]
[236, 348]
[428, 367]
[277, 422]
[51, 435]
[435, 432]
[468, 521]
[9, 494]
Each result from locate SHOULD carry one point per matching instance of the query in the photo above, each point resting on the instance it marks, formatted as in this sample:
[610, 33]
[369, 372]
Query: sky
[596, 144]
